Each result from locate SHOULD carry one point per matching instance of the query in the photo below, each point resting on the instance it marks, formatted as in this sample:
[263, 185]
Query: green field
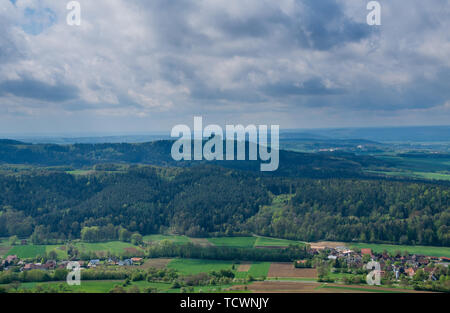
[420, 175]
[257, 270]
[59, 249]
[421, 168]
[195, 266]
[241, 242]
[249, 242]
[32, 251]
[112, 246]
[89, 286]
[359, 289]
[418, 164]
[268, 241]
[172, 238]
[80, 172]
[28, 251]
[166, 287]
[4, 246]
[425, 250]
[104, 286]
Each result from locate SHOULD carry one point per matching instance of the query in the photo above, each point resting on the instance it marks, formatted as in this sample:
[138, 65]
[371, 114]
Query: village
[14, 261]
[336, 264]
[394, 267]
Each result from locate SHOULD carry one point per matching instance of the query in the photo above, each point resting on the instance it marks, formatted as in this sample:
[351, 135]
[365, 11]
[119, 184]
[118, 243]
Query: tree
[124, 235]
[136, 239]
[13, 240]
[60, 274]
[52, 255]
[420, 275]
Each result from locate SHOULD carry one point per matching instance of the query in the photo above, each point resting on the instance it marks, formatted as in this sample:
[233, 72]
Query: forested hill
[323, 196]
[158, 153]
[209, 200]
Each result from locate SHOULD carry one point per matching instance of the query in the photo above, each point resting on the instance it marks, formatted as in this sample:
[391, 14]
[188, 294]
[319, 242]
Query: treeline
[196, 202]
[190, 250]
[7, 277]
[358, 210]
[110, 232]
[209, 200]
[60, 274]
[103, 156]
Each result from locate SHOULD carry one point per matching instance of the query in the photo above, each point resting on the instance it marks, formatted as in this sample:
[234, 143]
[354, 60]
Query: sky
[143, 66]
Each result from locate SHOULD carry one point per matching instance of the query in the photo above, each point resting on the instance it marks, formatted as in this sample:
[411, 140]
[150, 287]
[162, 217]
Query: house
[49, 265]
[126, 262]
[11, 258]
[354, 260]
[94, 263]
[341, 248]
[28, 267]
[422, 260]
[410, 272]
[136, 260]
[63, 264]
[366, 251]
[444, 259]
[332, 257]
[33, 266]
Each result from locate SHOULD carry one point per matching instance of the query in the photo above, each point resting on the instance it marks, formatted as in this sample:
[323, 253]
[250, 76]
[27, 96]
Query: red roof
[410, 271]
[10, 258]
[366, 251]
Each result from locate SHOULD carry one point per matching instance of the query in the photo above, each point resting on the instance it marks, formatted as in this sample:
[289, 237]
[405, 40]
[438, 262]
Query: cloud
[164, 61]
[313, 86]
[34, 89]
[323, 25]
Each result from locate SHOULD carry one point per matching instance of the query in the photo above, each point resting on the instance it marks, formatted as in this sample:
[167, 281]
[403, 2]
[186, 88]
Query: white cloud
[170, 59]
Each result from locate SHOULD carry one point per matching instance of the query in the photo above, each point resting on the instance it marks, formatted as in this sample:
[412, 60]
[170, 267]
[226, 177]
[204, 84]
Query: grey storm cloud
[323, 25]
[174, 58]
[34, 89]
[314, 24]
[311, 87]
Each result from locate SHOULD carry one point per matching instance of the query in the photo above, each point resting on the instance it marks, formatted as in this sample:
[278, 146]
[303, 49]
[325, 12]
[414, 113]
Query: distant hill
[10, 142]
[388, 134]
[158, 153]
[208, 200]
